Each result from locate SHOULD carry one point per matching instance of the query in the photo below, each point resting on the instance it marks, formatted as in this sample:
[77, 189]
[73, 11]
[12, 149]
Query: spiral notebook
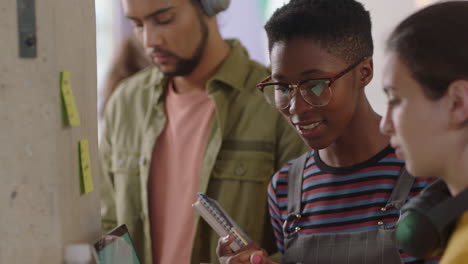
[219, 220]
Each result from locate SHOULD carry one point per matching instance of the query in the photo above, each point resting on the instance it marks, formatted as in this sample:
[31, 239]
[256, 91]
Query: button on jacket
[248, 141]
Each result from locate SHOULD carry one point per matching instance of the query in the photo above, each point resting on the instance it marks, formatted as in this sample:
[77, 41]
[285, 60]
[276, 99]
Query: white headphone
[213, 7]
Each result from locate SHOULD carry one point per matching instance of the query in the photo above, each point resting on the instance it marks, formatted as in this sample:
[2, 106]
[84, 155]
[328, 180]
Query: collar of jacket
[237, 61]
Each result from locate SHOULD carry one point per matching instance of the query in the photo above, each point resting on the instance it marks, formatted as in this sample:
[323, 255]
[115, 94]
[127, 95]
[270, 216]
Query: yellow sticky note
[85, 167]
[69, 99]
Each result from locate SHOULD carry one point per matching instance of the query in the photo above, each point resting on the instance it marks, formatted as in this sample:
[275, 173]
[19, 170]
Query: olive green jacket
[248, 141]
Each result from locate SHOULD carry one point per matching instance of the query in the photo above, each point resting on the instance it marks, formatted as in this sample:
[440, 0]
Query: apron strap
[295, 177]
[402, 189]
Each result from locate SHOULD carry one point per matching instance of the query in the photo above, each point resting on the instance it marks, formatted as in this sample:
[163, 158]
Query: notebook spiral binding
[220, 221]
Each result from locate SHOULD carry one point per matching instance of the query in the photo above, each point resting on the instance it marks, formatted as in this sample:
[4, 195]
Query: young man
[192, 123]
[339, 202]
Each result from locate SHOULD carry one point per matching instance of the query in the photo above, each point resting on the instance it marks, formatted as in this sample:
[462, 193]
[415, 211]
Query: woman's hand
[251, 254]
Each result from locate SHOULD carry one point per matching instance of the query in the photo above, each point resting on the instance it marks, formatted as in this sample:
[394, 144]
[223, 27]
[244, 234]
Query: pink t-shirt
[175, 174]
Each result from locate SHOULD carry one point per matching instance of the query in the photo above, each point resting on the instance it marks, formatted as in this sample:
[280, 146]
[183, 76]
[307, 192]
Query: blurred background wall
[43, 207]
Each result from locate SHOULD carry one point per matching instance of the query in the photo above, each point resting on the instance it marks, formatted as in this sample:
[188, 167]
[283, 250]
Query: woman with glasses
[426, 82]
[339, 202]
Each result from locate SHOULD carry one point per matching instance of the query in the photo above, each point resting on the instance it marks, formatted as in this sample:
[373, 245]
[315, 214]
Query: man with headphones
[192, 122]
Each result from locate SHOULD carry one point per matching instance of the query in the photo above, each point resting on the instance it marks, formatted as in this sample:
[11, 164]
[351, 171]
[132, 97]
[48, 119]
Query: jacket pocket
[240, 186]
[251, 163]
[243, 170]
[126, 175]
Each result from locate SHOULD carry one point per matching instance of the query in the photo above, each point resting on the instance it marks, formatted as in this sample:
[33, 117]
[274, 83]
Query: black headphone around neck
[428, 219]
[213, 7]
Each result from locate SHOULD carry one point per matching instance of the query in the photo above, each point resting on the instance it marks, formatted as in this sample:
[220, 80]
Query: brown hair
[128, 60]
[433, 43]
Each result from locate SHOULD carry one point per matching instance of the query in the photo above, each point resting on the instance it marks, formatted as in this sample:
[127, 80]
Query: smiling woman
[339, 202]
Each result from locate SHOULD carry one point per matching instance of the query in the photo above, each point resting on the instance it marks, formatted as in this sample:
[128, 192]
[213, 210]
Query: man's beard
[185, 67]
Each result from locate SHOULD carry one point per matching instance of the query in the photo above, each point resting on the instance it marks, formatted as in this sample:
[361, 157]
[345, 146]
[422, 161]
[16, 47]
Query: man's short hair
[342, 27]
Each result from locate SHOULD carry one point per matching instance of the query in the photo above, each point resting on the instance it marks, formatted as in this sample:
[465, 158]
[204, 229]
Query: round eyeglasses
[315, 92]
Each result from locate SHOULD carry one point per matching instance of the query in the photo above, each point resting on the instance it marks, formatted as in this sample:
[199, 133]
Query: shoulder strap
[402, 189]
[295, 176]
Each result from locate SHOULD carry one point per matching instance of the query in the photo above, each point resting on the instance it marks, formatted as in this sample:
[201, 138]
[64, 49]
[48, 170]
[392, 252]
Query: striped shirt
[342, 199]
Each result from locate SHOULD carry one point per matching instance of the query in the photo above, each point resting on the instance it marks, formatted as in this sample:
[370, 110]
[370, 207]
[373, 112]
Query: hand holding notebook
[220, 221]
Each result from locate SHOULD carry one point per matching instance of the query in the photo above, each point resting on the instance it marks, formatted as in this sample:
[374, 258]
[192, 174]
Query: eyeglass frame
[294, 87]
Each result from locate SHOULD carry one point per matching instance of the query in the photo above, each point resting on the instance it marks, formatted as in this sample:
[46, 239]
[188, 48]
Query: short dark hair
[433, 43]
[342, 27]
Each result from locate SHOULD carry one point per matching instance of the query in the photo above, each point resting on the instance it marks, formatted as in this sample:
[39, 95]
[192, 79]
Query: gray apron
[363, 247]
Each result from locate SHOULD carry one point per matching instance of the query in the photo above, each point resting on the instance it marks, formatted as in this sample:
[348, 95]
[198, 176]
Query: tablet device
[116, 247]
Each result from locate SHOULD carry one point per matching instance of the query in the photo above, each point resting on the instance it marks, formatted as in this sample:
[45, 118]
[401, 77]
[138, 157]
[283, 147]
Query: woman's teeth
[313, 125]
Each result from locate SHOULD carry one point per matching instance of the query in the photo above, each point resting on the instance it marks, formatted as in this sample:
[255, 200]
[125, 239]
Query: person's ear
[458, 101]
[366, 71]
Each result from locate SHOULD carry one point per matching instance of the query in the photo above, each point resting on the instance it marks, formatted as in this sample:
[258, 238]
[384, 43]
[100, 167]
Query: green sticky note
[85, 167]
[69, 99]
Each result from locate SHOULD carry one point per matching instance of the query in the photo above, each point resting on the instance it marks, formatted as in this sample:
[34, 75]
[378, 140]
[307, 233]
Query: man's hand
[252, 254]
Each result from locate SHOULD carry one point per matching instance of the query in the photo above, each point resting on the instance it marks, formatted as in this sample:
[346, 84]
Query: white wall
[243, 20]
[385, 15]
